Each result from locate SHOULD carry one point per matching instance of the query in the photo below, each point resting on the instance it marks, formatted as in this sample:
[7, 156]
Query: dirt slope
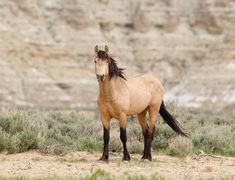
[33, 164]
[46, 51]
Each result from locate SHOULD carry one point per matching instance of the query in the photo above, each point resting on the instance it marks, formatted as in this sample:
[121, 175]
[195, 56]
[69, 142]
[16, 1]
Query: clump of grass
[89, 144]
[83, 160]
[18, 133]
[70, 132]
[219, 140]
[99, 174]
[21, 142]
[180, 146]
[2, 144]
[136, 147]
[36, 159]
[115, 144]
[48, 146]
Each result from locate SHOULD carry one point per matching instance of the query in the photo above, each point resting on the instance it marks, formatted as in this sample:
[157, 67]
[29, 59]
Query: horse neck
[111, 88]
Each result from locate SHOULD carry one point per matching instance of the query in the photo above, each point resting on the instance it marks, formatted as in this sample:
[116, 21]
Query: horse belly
[139, 102]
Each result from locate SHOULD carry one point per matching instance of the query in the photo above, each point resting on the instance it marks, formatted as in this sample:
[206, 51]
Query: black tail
[172, 122]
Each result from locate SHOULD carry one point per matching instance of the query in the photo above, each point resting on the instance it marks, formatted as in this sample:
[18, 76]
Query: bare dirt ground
[34, 164]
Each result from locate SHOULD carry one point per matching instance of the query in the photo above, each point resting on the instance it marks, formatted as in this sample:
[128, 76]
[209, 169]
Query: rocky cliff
[46, 51]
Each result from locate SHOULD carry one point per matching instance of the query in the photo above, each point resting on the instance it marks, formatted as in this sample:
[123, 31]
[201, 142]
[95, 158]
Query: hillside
[46, 52]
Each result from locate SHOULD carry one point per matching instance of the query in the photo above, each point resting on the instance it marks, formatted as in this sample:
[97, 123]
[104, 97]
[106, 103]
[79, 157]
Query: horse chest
[114, 109]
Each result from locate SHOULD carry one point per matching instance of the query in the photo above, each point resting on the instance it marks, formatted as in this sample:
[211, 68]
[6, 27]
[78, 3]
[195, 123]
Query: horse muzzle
[100, 78]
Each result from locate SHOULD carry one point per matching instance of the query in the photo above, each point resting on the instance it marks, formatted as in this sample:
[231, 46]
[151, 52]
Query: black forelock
[102, 55]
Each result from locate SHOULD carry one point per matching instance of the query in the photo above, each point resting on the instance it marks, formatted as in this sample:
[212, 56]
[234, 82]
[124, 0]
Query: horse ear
[106, 48]
[96, 49]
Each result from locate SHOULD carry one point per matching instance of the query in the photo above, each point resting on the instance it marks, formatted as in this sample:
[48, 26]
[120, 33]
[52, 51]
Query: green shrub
[20, 135]
[115, 144]
[180, 146]
[2, 144]
[216, 140]
[21, 142]
[57, 132]
[49, 146]
[89, 144]
[99, 174]
[136, 146]
[63, 132]
[162, 136]
[16, 122]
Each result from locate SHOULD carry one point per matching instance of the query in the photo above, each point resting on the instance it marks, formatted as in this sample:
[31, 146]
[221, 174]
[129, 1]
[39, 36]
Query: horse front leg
[106, 137]
[123, 137]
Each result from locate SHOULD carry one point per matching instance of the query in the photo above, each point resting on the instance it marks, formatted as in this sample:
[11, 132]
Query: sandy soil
[83, 163]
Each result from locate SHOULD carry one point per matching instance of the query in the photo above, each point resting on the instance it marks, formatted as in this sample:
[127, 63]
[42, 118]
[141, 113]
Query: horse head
[101, 63]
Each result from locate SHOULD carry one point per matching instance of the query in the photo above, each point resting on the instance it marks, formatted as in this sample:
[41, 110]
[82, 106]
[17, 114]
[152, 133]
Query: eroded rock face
[46, 52]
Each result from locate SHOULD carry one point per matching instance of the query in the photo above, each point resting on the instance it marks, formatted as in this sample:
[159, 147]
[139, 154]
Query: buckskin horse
[120, 97]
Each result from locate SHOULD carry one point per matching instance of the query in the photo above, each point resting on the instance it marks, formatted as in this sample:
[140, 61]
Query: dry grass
[57, 132]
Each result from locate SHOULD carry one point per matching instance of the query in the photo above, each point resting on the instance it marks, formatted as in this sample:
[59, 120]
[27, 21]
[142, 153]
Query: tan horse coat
[120, 97]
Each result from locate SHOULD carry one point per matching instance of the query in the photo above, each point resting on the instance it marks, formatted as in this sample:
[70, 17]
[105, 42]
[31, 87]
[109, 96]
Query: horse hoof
[126, 161]
[103, 159]
[126, 157]
[146, 160]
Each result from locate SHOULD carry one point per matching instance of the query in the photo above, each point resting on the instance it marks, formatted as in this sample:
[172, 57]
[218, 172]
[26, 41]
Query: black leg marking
[148, 138]
[105, 155]
[126, 156]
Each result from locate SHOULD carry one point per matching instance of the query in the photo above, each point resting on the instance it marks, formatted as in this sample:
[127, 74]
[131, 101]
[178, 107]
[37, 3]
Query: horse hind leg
[145, 130]
[148, 132]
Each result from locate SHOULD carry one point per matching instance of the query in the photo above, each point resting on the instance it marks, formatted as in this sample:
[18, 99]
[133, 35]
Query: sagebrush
[58, 132]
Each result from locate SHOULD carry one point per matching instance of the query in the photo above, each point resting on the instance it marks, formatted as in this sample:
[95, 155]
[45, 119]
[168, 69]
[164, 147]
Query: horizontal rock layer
[46, 51]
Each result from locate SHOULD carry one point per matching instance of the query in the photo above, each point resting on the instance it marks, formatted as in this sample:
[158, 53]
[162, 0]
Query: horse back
[145, 90]
[146, 82]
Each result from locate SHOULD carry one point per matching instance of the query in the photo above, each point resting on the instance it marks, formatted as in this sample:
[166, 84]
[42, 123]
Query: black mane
[114, 70]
